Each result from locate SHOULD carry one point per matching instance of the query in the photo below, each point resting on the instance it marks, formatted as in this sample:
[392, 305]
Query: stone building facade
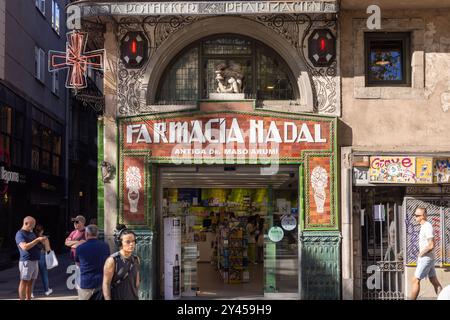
[382, 124]
[394, 122]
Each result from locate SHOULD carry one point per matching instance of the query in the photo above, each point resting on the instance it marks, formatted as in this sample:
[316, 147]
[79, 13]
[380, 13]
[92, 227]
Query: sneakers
[32, 296]
[49, 292]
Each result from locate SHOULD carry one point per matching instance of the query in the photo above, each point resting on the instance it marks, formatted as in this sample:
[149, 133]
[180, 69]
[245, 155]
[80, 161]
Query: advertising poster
[424, 170]
[442, 170]
[172, 258]
[395, 169]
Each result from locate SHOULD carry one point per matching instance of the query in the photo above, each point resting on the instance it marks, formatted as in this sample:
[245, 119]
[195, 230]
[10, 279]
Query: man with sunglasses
[425, 260]
[77, 236]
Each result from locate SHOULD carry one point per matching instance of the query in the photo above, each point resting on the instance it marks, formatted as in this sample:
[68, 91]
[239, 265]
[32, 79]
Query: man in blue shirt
[91, 257]
[29, 256]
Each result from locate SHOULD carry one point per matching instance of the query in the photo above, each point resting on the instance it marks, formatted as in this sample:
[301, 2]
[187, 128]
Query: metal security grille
[382, 260]
[438, 213]
[446, 238]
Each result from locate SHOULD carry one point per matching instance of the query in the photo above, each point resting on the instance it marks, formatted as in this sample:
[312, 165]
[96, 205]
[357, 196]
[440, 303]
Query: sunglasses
[76, 222]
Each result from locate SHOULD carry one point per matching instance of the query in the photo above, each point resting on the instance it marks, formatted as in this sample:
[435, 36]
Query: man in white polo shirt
[425, 260]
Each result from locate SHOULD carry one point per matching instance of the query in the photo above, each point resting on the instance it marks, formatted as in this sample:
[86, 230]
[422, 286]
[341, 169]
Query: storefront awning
[149, 8]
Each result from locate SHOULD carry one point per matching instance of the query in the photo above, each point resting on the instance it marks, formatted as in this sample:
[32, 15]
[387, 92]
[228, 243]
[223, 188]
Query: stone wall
[398, 119]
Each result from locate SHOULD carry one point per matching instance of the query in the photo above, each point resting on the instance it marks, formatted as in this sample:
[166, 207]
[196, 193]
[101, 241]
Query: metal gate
[390, 242]
[438, 214]
[382, 252]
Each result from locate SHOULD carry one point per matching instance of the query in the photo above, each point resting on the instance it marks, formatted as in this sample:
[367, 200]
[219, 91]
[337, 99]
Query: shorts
[425, 268]
[29, 270]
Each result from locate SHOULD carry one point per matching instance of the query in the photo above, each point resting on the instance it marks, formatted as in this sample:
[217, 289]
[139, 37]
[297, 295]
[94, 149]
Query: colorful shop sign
[218, 136]
[442, 170]
[207, 136]
[394, 169]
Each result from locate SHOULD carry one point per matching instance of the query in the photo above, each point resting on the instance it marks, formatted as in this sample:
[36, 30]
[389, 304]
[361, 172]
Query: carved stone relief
[131, 88]
[295, 28]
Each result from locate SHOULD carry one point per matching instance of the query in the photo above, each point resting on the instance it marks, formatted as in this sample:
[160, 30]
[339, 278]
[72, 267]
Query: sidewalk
[9, 282]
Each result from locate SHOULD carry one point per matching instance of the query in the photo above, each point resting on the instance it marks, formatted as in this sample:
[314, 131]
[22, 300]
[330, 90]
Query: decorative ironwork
[132, 91]
[382, 254]
[96, 33]
[290, 26]
[97, 103]
[295, 28]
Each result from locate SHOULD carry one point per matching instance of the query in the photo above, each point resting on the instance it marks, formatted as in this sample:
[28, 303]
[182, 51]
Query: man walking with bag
[91, 257]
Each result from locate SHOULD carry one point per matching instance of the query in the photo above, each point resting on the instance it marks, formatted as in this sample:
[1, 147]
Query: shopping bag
[97, 295]
[77, 277]
[50, 260]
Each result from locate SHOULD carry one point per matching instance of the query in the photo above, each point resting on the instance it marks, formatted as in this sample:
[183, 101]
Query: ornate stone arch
[179, 40]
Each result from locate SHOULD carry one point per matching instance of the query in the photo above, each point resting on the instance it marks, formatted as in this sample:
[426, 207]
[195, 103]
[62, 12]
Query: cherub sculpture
[229, 78]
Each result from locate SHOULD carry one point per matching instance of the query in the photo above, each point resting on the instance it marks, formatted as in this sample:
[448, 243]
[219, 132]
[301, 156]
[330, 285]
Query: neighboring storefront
[386, 190]
[31, 175]
[392, 134]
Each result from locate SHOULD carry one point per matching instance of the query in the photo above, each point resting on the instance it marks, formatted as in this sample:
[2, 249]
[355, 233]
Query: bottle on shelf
[176, 277]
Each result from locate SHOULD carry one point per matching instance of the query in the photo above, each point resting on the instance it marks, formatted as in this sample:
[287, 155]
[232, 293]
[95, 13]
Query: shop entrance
[228, 232]
[378, 212]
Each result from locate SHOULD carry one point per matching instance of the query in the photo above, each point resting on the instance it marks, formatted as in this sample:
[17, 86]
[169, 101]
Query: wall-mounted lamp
[108, 171]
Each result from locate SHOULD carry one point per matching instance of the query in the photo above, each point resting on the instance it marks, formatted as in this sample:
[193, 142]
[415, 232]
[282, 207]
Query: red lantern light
[134, 49]
[322, 44]
[321, 48]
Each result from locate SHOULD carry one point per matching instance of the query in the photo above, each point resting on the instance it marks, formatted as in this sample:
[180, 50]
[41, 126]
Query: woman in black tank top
[121, 271]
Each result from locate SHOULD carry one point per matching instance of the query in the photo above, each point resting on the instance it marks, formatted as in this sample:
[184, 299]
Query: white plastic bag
[77, 277]
[50, 260]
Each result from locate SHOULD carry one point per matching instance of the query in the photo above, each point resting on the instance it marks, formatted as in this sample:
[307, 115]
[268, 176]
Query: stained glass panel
[227, 46]
[386, 61]
[180, 83]
[272, 78]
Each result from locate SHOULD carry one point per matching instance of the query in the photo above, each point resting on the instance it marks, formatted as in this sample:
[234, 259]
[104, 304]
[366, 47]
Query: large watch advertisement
[172, 258]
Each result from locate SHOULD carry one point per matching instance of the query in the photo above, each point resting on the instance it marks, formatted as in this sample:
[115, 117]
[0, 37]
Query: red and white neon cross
[76, 60]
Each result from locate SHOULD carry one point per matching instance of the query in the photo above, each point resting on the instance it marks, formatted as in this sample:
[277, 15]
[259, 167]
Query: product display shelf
[233, 261]
[189, 269]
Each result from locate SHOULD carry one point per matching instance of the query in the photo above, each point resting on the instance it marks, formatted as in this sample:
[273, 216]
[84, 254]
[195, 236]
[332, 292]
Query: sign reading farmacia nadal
[222, 135]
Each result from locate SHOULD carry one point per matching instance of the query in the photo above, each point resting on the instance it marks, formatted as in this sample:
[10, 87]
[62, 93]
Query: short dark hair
[122, 230]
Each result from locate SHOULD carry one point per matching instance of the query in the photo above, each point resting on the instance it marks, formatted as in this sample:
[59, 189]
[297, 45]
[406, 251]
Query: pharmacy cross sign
[76, 60]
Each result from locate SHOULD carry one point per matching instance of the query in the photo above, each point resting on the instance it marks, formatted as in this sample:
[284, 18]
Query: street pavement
[9, 282]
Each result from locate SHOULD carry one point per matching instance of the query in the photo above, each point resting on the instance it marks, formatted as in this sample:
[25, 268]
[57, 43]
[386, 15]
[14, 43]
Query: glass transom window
[226, 64]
